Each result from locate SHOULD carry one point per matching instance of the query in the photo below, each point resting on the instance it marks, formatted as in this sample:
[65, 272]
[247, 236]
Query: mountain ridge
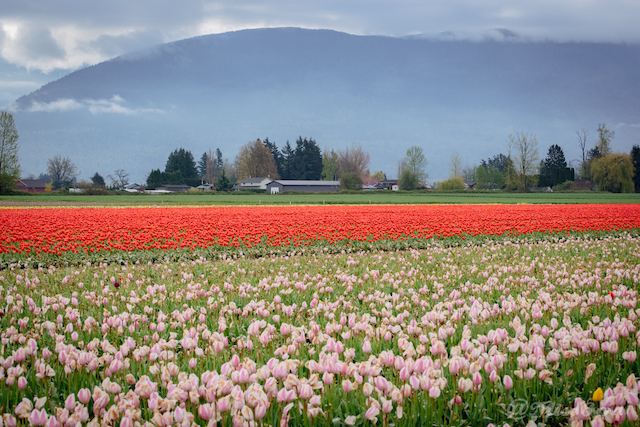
[223, 90]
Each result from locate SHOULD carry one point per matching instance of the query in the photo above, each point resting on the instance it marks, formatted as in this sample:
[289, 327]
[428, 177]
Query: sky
[43, 40]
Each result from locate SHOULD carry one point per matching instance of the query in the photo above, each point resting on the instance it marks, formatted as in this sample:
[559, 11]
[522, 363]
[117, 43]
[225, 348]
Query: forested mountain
[386, 93]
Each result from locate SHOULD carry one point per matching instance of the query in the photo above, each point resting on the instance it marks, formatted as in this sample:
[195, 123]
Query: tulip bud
[508, 382]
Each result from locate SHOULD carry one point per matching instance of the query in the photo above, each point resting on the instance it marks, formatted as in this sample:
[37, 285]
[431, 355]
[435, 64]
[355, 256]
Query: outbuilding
[174, 188]
[278, 186]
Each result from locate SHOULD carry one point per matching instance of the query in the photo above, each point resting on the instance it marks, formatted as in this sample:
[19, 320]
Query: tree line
[521, 168]
[302, 160]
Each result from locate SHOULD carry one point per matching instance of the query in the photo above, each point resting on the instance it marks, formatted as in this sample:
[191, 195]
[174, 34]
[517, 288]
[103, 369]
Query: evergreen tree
[182, 160]
[202, 165]
[288, 162]
[219, 162]
[498, 161]
[635, 158]
[97, 179]
[157, 178]
[154, 179]
[308, 158]
[551, 164]
[223, 183]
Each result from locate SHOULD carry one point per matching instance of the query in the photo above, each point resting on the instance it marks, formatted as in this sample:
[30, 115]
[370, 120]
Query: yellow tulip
[597, 395]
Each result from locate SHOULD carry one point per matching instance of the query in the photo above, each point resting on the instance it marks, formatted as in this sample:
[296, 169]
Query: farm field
[320, 315]
[363, 198]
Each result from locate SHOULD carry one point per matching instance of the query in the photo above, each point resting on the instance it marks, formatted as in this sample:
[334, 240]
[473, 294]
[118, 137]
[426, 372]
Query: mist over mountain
[386, 93]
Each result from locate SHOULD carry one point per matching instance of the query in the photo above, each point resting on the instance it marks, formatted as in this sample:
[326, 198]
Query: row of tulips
[516, 332]
[56, 231]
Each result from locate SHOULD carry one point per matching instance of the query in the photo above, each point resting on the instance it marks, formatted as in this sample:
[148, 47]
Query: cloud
[115, 105]
[55, 106]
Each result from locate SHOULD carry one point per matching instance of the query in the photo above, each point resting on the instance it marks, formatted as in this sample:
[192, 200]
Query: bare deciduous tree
[119, 179]
[583, 134]
[211, 168]
[526, 159]
[9, 163]
[255, 160]
[469, 173]
[353, 160]
[455, 165]
[62, 171]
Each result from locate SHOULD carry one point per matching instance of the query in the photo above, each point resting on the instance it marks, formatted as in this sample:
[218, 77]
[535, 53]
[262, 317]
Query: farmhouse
[387, 184]
[281, 185]
[252, 184]
[31, 185]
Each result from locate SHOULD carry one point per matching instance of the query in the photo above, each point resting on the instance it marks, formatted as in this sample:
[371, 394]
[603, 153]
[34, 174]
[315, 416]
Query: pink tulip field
[517, 331]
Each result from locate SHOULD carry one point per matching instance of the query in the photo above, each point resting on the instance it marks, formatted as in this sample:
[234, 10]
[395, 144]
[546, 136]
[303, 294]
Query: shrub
[351, 181]
[452, 184]
[563, 186]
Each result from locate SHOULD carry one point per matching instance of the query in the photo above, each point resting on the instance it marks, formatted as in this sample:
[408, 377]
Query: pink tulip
[387, 405]
[366, 346]
[415, 382]
[613, 348]
[224, 404]
[372, 413]
[434, 392]
[327, 378]
[38, 417]
[179, 414]
[618, 415]
[477, 379]
[84, 395]
[286, 396]
[508, 382]
[381, 383]
[347, 386]
[10, 420]
[305, 391]
[205, 411]
[53, 422]
[22, 383]
[260, 411]
[70, 402]
[404, 374]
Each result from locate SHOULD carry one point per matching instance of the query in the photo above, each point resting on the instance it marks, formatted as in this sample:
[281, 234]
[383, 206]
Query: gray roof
[34, 183]
[172, 187]
[253, 180]
[300, 182]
